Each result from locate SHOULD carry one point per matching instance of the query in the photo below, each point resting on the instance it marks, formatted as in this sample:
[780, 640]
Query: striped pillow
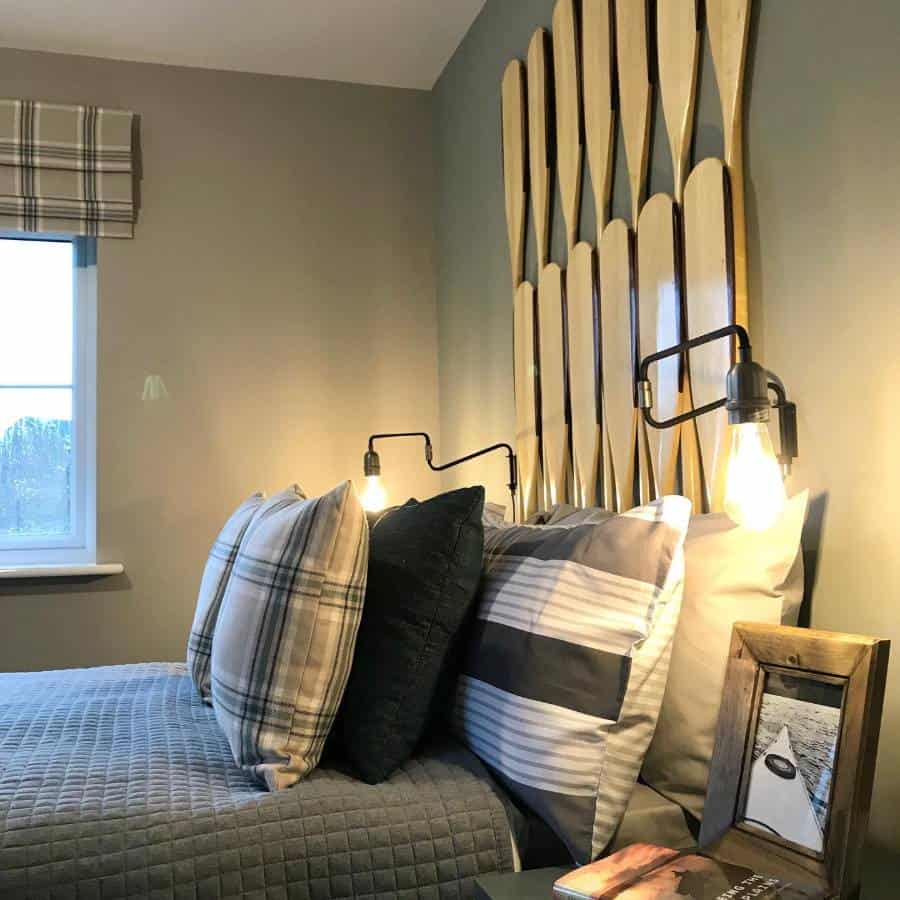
[212, 589]
[284, 641]
[568, 662]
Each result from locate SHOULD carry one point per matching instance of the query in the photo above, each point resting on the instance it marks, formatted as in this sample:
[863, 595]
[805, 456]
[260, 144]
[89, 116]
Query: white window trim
[80, 548]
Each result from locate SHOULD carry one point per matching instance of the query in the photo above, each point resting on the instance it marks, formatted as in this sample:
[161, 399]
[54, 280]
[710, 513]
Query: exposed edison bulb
[374, 496]
[754, 488]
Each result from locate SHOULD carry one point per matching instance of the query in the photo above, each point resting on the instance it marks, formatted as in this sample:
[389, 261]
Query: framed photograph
[791, 777]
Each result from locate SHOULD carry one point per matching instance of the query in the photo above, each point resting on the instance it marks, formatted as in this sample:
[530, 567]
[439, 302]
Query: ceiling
[400, 43]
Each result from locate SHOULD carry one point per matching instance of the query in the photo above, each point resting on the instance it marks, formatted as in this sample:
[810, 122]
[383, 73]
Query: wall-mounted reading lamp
[374, 497]
[754, 487]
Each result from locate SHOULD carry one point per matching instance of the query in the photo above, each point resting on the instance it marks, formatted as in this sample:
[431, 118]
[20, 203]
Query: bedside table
[530, 885]
[881, 869]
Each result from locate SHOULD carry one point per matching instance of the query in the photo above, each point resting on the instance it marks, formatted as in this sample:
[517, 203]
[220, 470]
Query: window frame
[81, 545]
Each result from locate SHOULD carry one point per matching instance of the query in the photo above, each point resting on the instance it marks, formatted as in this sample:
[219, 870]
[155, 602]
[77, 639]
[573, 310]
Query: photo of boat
[793, 760]
[777, 799]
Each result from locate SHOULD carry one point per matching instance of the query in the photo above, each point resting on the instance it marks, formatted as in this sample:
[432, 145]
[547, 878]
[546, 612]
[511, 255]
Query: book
[647, 872]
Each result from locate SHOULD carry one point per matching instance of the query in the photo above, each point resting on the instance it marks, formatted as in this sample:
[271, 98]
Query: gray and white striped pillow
[568, 662]
[212, 589]
[284, 642]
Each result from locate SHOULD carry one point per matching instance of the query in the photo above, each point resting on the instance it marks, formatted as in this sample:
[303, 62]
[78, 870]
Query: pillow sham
[424, 567]
[566, 667]
[212, 589]
[732, 574]
[284, 641]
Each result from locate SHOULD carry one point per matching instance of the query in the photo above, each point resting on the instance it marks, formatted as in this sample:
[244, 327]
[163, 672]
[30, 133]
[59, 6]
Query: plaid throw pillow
[284, 641]
[568, 659]
[215, 579]
[212, 589]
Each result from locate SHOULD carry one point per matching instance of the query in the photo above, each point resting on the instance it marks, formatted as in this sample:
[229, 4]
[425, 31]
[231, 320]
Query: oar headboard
[675, 270]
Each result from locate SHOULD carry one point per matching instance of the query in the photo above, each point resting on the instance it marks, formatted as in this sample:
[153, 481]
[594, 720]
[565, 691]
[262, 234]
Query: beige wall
[824, 240]
[281, 281]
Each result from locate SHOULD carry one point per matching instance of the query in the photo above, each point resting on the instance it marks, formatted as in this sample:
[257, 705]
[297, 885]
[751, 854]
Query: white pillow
[731, 575]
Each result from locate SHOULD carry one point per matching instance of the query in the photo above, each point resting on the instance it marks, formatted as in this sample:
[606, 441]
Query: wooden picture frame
[847, 673]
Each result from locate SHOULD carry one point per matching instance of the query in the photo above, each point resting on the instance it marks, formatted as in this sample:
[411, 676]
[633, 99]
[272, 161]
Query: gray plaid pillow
[212, 589]
[284, 641]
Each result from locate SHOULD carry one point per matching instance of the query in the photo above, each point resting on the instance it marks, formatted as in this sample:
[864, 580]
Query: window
[47, 400]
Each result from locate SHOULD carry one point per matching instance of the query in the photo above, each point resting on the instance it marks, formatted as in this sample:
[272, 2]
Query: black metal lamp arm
[373, 464]
[645, 393]
[747, 396]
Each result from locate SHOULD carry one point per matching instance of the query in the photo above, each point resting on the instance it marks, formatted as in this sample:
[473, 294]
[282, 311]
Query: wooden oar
[632, 52]
[659, 315]
[539, 147]
[678, 51]
[513, 115]
[709, 281]
[569, 148]
[599, 112]
[617, 363]
[584, 376]
[728, 23]
[526, 405]
[554, 428]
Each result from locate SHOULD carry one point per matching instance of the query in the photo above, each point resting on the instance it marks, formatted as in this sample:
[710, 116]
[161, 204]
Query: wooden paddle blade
[569, 149]
[539, 150]
[584, 375]
[616, 362]
[554, 428]
[514, 150]
[526, 402]
[709, 287]
[728, 23]
[659, 317]
[632, 52]
[678, 49]
[599, 91]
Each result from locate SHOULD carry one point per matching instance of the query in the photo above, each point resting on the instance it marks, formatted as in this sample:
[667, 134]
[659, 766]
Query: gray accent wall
[281, 281]
[823, 197]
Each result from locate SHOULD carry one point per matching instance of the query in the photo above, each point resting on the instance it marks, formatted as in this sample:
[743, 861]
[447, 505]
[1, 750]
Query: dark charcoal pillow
[424, 567]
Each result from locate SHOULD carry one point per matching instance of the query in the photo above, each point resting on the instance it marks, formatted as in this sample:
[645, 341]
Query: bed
[118, 782]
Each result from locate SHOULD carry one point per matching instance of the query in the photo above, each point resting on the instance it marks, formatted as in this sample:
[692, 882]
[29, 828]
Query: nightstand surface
[536, 883]
[881, 870]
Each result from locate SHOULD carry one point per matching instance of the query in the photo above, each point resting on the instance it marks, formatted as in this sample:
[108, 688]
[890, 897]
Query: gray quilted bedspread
[117, 782]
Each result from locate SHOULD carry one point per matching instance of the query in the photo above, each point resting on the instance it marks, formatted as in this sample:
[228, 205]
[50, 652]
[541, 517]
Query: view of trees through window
[35, 477]
[36, 389]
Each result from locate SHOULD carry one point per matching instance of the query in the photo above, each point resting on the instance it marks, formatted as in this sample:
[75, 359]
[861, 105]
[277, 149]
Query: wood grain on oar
[513, 121]
[584, 380]
[678, 49]
[526, 405]
[633, 54]
[539, 149]
[728, 23]
[569, 149]
[659, 316]
[616, 360]
[599, 91]
[709, 285]
[554, 427]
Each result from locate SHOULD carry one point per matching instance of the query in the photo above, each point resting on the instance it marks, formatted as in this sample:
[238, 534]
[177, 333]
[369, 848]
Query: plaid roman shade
[567, 662]
[66, 169]
[286, 632]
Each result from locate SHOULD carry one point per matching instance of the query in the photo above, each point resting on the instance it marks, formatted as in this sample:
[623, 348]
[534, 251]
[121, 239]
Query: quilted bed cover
[117, 782]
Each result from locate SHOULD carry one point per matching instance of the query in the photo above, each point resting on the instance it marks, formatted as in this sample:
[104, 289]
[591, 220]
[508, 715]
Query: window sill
[64, 570]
